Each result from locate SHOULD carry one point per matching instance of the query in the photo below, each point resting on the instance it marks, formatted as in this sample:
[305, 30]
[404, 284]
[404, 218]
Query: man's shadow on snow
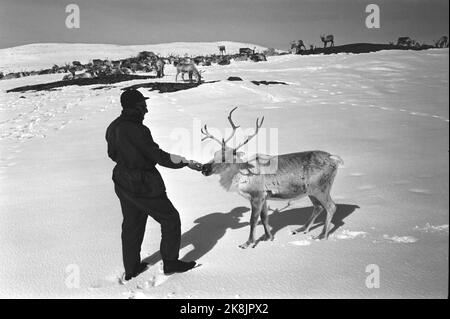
[209, 229]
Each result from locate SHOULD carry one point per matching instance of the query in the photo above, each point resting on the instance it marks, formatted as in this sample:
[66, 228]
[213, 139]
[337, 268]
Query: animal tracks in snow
[356, 174]
[391, 109]
[41, 113]
[366, 187]
[312, 97]
[420, 191]
[428, 228]
[385, 238]
[400, 239]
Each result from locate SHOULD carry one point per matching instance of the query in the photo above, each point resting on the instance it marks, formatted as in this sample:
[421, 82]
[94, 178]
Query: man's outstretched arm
[151, 150]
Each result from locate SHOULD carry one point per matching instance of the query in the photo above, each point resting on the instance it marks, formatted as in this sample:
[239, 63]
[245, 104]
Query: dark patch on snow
[166, 87]
[234, 78]
[362, 48]
[103, 87]
[101, 80]
[268, 82]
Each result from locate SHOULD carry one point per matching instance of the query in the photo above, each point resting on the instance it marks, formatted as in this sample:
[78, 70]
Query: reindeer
[283, 177]
[257, 57]
[405, 41]
[85, 75]
[159, 68]
[190, 69]
[222, 49]
[246, 51]
[442, 42]
[297, 45]
[326, 39]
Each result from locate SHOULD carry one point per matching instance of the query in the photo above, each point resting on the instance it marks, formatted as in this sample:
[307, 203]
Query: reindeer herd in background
[298, 46]
[147, 61]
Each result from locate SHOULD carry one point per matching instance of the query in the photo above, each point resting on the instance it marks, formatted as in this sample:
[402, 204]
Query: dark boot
[142, 267]
[173, 266]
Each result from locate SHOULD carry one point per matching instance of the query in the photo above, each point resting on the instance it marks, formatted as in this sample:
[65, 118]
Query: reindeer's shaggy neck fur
[229, 175]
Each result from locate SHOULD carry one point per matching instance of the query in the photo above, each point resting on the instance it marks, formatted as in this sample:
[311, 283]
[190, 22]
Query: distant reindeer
[246, 51]
[257, 57]
[222, 49]
[85, 75]
[159, 68]
[190, 69]
[405, 41]
[297, 46]
[442, 42]
[326, 39]
[282, 177]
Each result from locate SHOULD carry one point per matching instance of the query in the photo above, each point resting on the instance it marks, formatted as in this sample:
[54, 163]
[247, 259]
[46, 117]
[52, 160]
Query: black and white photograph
[239, 150]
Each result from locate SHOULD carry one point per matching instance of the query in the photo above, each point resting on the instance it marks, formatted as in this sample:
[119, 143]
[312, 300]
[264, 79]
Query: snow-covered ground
[386, 114]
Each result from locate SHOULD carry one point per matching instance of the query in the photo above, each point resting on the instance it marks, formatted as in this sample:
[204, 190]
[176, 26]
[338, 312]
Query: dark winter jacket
[131, 146]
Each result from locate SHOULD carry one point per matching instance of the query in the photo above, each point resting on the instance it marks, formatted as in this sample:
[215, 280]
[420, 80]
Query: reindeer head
[226, 156]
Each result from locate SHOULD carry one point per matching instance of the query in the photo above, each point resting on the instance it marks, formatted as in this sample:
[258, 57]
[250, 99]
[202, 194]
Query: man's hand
[196, 166]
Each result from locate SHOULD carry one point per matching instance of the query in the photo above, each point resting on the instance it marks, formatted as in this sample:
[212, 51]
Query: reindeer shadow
[209, 229]
[299, 216]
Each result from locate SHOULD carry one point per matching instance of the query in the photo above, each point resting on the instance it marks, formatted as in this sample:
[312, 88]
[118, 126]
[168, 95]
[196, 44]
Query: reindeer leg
[316, 213]
[256, 211]
[265, 221]
[330, 207]
[317, 210]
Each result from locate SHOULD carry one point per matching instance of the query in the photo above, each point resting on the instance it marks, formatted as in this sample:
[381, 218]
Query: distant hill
[45, 55]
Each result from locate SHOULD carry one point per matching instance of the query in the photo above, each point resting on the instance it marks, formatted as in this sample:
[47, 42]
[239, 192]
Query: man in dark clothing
[140, 187]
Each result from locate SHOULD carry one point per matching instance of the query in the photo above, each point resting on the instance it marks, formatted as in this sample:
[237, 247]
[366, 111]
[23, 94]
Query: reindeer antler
[205, 132]
[233, 126]
[258, 126]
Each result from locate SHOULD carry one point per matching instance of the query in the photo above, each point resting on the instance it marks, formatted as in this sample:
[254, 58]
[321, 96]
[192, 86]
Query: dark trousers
[135, 211]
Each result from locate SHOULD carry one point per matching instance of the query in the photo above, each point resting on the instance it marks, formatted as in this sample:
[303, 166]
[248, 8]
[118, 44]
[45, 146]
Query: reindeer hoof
[295, 232]
[246, 244]
[320, 237]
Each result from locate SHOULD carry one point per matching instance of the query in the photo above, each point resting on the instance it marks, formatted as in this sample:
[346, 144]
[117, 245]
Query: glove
[196, 166]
